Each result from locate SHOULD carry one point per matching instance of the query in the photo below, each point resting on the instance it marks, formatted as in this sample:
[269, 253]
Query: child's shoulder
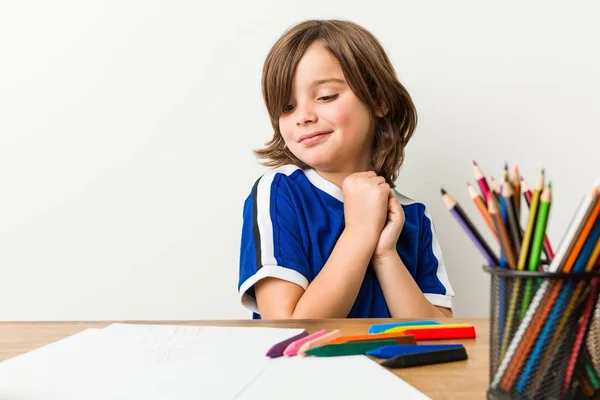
[287, 173]
[277, 180]
[413, 209]
[407, 202]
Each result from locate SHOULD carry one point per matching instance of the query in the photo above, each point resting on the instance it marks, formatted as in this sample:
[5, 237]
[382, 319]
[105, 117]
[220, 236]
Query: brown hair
[369, 74]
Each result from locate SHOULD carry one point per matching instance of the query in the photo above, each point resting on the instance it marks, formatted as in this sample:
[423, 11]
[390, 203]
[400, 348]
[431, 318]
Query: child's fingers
[394, 207]
[394, 204]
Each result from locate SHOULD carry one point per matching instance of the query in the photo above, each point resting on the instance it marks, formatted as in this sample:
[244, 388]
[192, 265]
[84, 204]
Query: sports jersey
[292, 220]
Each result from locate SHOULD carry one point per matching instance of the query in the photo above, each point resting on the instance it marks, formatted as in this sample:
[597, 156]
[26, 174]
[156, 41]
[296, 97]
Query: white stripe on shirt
[441, 272]
[263, 211]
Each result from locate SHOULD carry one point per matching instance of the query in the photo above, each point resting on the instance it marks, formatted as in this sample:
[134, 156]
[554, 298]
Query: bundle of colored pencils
[550, 328]
[520, 249]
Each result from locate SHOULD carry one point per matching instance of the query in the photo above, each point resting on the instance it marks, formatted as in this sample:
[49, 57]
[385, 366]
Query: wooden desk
[458, 380]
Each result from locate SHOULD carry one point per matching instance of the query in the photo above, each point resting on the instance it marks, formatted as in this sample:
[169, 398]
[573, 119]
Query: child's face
[325, 124]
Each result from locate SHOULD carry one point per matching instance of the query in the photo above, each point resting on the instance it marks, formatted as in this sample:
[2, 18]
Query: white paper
[155, 362]
[355, 377]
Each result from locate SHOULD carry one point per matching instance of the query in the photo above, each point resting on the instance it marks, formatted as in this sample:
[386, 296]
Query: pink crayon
[318, 341]
[293, 347]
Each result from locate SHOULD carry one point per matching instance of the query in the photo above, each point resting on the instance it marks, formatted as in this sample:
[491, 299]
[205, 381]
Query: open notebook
[131, 361]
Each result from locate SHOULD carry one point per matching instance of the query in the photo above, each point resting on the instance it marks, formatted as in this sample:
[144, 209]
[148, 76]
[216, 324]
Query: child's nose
[306, 116]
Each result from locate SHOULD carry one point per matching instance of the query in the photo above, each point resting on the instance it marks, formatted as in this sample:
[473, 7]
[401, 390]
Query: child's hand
[391, 231]
[365, 203]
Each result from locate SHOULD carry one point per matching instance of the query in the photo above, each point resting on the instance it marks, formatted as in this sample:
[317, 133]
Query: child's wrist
[362, 236]
[385, 257]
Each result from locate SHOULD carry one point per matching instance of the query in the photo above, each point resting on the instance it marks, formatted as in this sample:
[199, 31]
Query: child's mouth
[313, 138]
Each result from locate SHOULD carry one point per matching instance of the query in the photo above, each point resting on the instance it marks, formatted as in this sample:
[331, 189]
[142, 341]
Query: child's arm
[403, 296]
[333, 291]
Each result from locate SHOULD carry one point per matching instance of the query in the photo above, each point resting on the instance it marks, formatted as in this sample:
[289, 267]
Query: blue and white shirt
[292, 220]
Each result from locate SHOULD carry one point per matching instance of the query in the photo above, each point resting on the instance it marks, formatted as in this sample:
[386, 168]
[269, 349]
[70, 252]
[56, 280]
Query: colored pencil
[511, 315]
[528, 195]
[587, 366]
[481, 181]
[526, 192]
[591, 301]
[553, 301]
[505, 174]
[589, 238]
[458, 213]
[521, 341]
[530, 228]
[495, 189]
[517, 186]
[500, 328]
[513, 220]
[480, 204]
[559, 336]
[536, 245]
[568, 251]
[501, 232]
[513, 233]
[504, 219]
[529, 341]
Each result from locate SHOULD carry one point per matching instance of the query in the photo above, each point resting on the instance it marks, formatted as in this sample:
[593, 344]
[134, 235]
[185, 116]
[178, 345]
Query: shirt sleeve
[432, 276]
[271, 242]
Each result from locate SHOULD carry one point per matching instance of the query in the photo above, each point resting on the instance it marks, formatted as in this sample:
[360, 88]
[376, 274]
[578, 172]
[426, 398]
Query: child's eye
[327, 98]
[288, 108]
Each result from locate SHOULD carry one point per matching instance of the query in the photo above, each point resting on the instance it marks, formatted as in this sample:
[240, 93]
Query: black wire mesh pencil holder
[544, 335]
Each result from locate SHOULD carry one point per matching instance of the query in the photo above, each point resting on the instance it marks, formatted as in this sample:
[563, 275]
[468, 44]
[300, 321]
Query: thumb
[394, 208]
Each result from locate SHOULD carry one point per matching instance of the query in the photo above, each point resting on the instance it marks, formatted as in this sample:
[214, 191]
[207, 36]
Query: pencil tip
[550, 185]
[474, 163]
[443, 191]
[543, 171]
[506, 165]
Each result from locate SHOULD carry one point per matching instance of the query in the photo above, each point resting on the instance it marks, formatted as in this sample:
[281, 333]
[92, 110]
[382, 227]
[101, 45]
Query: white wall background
[126, 130]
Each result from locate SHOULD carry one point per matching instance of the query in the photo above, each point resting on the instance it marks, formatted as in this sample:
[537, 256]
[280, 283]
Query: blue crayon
[402, 349]
[379, 328]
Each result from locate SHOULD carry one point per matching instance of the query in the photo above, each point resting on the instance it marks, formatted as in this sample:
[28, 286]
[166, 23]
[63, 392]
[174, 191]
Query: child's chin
[319, 159]
[321, 164]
